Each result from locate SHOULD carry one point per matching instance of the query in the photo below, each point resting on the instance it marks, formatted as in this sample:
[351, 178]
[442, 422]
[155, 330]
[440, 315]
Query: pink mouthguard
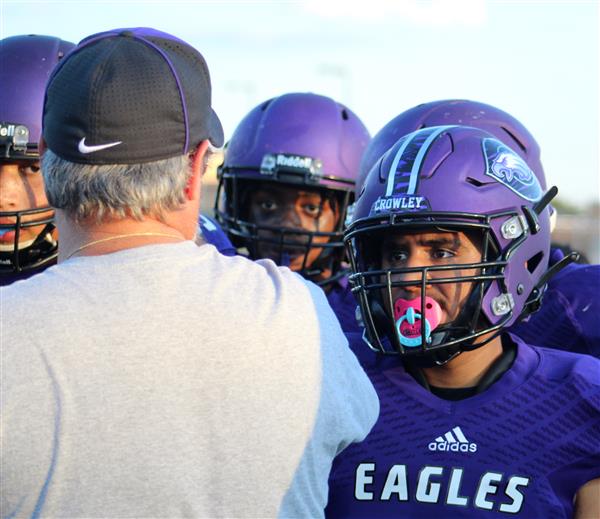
[407, 318]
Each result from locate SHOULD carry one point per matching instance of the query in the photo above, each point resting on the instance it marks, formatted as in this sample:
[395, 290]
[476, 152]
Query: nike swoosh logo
[91, 149]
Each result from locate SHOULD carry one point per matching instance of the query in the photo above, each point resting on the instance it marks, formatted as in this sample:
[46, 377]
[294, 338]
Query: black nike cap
[129, 96]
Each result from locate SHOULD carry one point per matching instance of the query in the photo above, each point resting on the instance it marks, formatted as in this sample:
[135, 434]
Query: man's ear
[192, 189]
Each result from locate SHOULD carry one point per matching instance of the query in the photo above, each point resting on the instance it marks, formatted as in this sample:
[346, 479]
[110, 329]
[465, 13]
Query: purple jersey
[213, 234]
[568, 319]
[524, 446]
[344, 305]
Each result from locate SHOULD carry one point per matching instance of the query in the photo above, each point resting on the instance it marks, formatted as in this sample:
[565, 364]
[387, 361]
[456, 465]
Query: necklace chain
[110, 238]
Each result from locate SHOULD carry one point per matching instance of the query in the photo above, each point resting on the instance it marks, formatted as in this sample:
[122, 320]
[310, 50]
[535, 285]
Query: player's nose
[414, 272]
[291, 219]
[10, 188]
[413, 269]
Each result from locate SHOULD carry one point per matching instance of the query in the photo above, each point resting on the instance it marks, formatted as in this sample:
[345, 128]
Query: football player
[449, 245]
[27, 233]
[285, 186]
[568, 318]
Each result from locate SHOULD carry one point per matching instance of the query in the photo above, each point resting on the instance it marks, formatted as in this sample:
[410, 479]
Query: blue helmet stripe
[416, 169]
[411, 154]
[392, 173]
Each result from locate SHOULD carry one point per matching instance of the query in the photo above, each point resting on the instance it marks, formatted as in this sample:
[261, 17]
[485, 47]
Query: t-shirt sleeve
[353, 400]
[348, 409]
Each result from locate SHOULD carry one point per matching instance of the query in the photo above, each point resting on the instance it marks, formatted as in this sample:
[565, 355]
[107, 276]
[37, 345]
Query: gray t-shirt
[172, 381]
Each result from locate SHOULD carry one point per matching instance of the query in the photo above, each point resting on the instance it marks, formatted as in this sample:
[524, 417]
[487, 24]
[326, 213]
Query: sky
[537, 60]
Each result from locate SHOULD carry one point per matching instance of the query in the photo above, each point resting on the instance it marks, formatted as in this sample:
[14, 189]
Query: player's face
[21, 188]
[432, 249]
[291, 208]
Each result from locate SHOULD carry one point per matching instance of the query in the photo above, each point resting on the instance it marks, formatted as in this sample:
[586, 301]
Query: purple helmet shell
[25, 65]
[304, 125]
[303, 140]
[502, 125]
[458, 178]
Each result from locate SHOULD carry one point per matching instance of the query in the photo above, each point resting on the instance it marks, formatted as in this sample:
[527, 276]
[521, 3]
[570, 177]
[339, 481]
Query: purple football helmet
[500, 124]
[25, 65]
[302, 140]
[450, 178]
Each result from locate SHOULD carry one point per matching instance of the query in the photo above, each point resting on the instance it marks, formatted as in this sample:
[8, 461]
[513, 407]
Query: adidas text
[452, 441]
[452, 447]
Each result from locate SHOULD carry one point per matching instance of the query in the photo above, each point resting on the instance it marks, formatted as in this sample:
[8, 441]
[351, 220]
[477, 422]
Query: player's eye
[30, 169]
[442, 253]
[398, 256]
[268, 206]
[312, 209]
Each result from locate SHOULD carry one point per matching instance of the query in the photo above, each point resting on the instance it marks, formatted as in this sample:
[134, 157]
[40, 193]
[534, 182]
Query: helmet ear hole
[345, 115]
[474, 182]
[534, 261]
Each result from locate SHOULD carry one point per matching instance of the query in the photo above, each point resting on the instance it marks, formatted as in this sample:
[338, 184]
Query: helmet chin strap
[440, 357]
[435, 358]
[323, 262]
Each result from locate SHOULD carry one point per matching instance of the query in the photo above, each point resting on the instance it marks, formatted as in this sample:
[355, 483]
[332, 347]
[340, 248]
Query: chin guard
[408, 320]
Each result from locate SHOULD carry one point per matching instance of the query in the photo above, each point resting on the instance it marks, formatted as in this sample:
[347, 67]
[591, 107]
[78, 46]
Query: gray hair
[114, 191]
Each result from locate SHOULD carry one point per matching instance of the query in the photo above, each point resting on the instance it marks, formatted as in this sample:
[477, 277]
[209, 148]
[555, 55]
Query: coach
[144, 376]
